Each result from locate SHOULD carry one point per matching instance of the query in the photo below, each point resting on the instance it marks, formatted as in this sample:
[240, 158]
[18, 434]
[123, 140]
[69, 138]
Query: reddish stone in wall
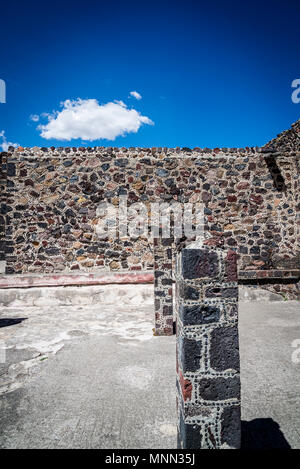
[216, 241]
[256, 199]
[243, 185]
[186, 387]
[231, 266]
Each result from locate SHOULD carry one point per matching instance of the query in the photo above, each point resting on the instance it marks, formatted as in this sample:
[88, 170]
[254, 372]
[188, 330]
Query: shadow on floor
[4, 322]
[263, 434]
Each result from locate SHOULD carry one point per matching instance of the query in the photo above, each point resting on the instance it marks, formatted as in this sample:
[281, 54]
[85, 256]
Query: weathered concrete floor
[94, 376]
[270, 380]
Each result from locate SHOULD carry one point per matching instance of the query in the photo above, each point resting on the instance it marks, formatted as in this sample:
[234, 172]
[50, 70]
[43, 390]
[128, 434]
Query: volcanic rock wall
[49, 200]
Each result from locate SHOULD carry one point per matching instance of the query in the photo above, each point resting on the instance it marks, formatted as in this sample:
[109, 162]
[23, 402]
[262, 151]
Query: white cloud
[4, 144]
[34, 117]
[120, 102]
[88, 120]
[136, 95]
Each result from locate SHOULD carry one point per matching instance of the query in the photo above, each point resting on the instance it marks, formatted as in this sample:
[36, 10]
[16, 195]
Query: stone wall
[251, 197]
[208, 364]
[3, 182]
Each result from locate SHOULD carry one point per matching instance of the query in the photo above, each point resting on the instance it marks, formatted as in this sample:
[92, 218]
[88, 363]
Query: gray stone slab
[100, 378]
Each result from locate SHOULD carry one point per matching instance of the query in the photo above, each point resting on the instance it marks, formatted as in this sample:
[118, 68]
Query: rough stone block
[231, 427]
[199, 314]
[186, 387]
[190, 352]
[219, 292]
[219, 389]
[231, 266]
[188, 435]
[186, 292]
[200, 263]
[224, 348]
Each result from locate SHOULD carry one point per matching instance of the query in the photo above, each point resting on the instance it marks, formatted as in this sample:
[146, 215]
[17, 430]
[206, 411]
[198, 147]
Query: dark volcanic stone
[213, 292]
[189, 435]
[52, 251]
[11, 169]
[190, 352]
[224, 348]
[69, 213]
[199, 314]
[199, 263]
[187, 292]
[214, 389]
[231, 427]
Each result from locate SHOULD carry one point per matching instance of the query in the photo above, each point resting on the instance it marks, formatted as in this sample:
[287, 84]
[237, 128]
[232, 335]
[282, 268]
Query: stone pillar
[208, 364]
[163, 296]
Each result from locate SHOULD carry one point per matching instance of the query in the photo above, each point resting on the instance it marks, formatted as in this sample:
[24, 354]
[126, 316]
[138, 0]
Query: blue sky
[211, 74]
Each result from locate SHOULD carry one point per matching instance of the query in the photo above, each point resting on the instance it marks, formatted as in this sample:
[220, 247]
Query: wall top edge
[130, 149]
[287, 141]
[158, 153]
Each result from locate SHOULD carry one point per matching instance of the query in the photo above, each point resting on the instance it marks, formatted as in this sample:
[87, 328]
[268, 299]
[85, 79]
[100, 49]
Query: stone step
[77, 295]
[117, 294]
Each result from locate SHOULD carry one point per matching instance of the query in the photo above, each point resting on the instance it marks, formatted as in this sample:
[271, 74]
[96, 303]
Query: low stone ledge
[54, 280]
[106, 278]
[268, 274]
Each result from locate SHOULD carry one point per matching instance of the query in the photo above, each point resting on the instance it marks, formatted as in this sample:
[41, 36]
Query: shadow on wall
[5, 322]
[275, 172]
[263, 434]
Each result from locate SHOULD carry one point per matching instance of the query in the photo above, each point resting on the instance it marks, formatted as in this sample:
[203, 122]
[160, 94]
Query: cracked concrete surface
[92, 375]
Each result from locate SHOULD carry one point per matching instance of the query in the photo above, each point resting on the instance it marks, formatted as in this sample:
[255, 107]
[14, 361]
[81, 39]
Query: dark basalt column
[208, 362]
